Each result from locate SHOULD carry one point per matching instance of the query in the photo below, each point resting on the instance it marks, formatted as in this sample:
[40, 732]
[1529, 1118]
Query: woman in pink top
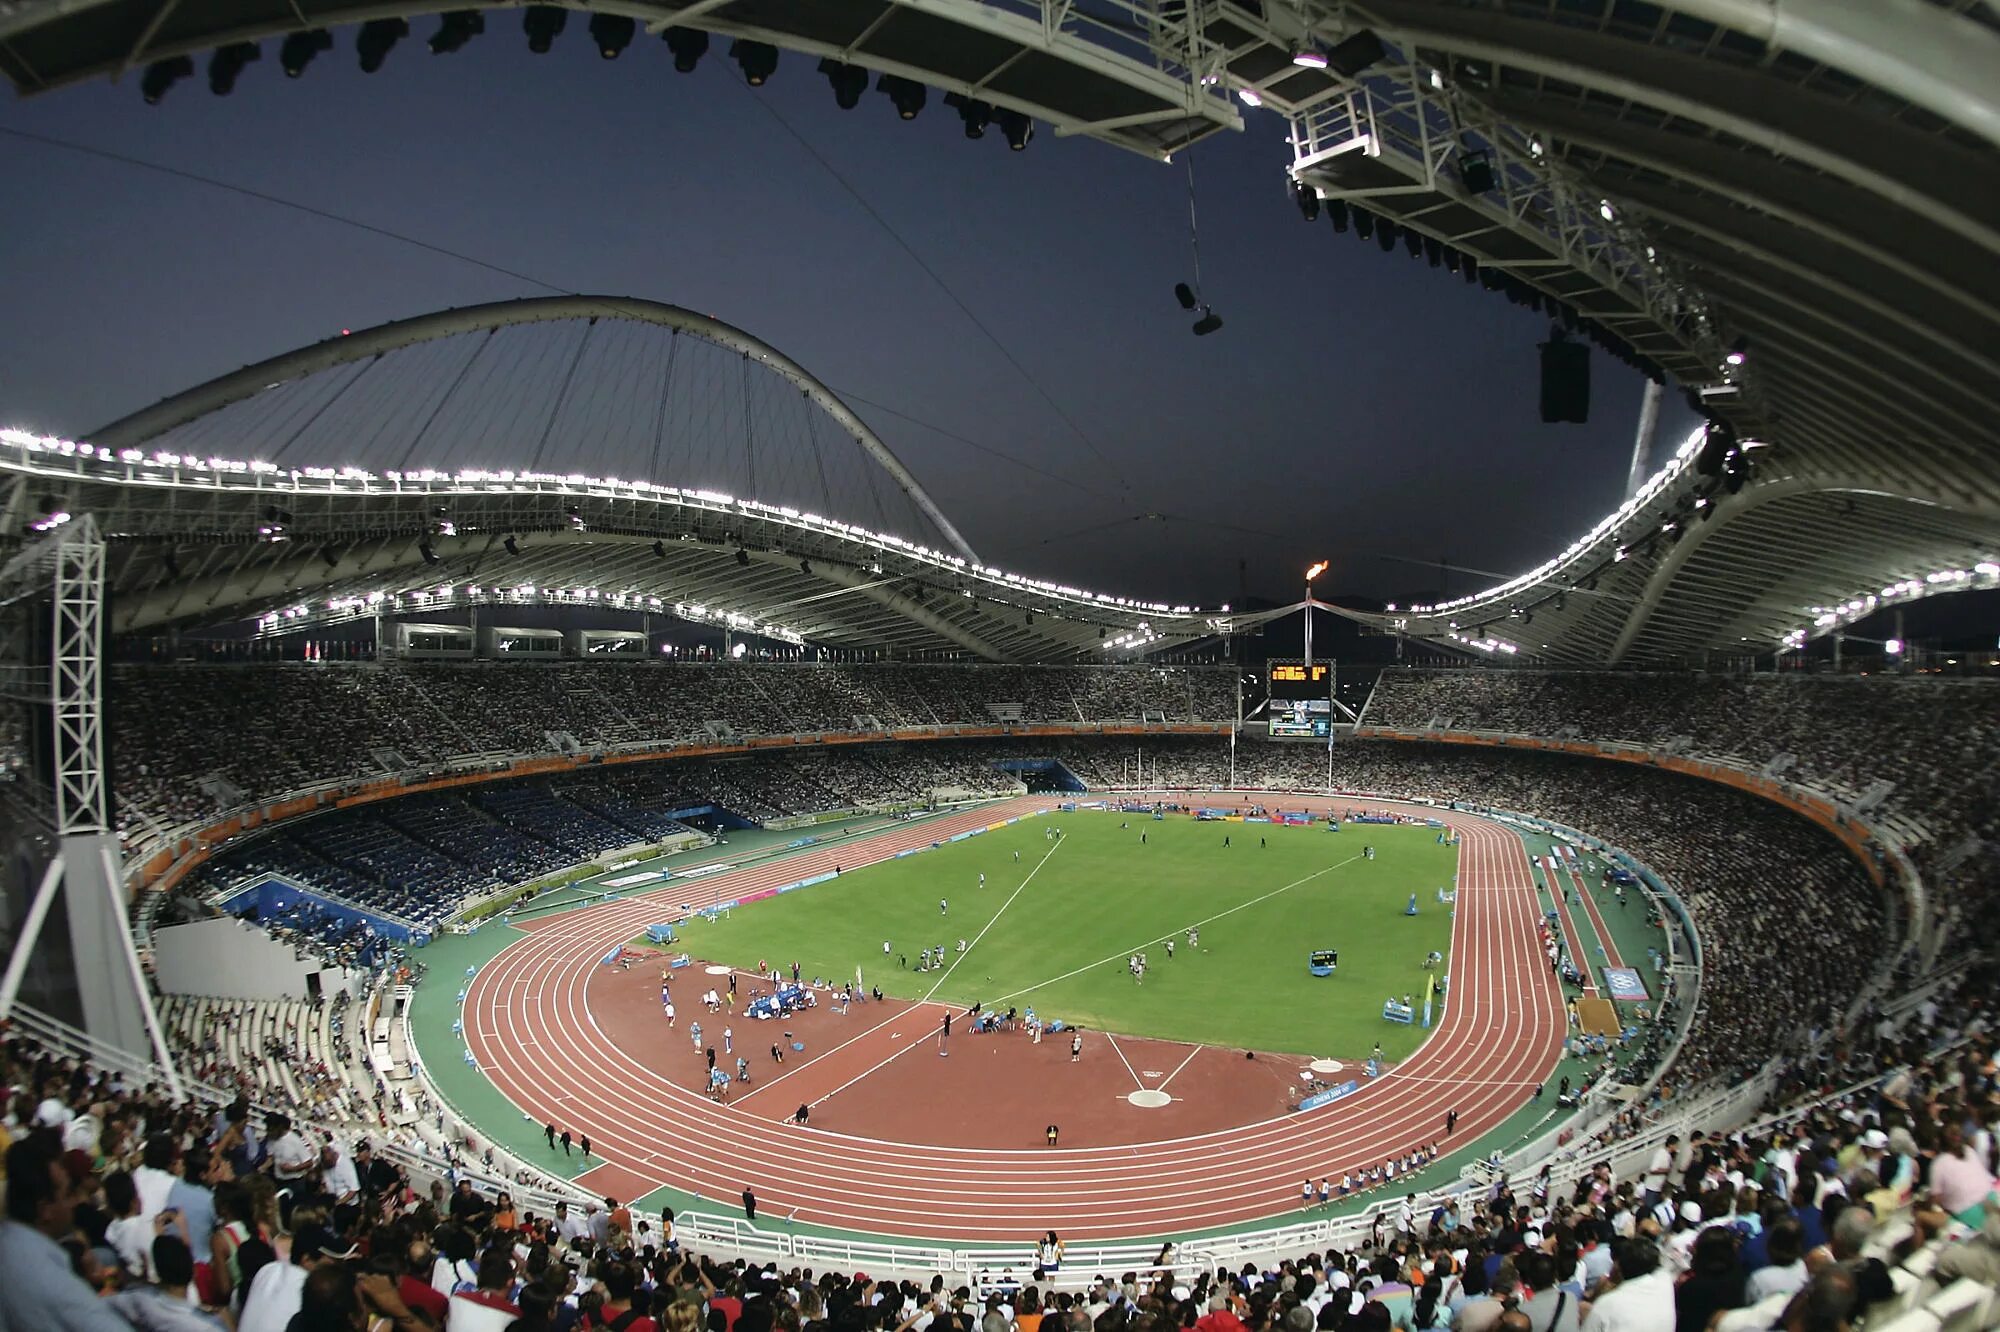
[1960, 1181]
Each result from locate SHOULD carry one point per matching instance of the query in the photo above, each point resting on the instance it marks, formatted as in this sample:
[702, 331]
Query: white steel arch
[141, 426]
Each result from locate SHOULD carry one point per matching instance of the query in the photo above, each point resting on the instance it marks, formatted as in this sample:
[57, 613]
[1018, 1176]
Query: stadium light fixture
[378, 38]
[688, 45]
[612, 33]
[162, 75]
[849, 82]
[1309, 57]
[1739, 352]
[1250, 97]
[543, 24]
[1185, 295]
[757, 60]
[975, 114]
[1019, 128]
[228, 62]
[1894, 647]
[456, 29]
[906, 95]
[1307, 198]
[300, 48]
[1209, 322]
[1475, 172]
[1356, 53]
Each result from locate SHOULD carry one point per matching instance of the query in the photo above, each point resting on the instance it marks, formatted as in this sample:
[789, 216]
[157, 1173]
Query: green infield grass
[1053, 929]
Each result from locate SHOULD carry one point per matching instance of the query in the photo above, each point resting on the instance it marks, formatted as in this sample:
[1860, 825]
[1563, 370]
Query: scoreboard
[1295, 679]
[1300, 706]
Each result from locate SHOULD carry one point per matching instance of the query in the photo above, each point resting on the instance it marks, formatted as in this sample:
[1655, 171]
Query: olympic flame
[1315, 571]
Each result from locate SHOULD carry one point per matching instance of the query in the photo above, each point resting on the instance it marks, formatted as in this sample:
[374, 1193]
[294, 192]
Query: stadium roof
[1789, 207]
[211, 541]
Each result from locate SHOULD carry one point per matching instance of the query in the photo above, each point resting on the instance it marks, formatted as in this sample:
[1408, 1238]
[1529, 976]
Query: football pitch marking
[1057, 846]
[761, 1086]
[1170, 934]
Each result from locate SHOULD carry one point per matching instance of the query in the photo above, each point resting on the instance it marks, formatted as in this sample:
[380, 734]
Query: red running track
[529, 1025]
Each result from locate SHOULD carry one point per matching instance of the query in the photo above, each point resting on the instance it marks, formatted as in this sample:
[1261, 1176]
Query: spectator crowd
[127, 1209]
[186, 739]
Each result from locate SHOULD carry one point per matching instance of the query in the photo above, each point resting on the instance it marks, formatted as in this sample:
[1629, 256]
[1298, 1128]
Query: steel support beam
[1920, 52]
[1915, 171]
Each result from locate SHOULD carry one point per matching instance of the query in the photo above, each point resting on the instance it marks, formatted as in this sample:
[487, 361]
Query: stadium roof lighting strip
[135, 467]
[1656, 485]
[1982, 576]
[336, 610]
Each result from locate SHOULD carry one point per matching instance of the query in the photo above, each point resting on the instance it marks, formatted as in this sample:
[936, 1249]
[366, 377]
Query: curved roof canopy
[204, 541]
[1790, 207]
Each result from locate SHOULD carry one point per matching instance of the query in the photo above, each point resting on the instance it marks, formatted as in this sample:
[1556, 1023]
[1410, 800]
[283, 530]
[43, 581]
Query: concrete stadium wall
[226, 959]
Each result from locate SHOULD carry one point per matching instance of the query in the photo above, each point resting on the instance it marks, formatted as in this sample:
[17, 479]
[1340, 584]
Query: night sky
[1357, 406]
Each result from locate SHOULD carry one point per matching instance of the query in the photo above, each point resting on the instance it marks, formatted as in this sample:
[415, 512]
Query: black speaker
[1565, 381]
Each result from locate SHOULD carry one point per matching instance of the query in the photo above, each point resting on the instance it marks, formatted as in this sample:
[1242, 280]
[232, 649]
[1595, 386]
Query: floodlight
[300, 48]
[612, 33]
[906, 95]
[974, 113]
[689, 45]
[1357, 53]
[379, 37]
[543, 24]
[162, 75]
[1475, 172]
[1307, 198]
[757, 60]
[456, 29]
[1209, 322]
[228, 62]
[1018, 128]
[849, 82]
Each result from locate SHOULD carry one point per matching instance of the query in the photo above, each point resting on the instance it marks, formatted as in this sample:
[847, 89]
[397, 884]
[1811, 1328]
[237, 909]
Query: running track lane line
[1597, 922]
[852, 1195]
[1577, 955]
